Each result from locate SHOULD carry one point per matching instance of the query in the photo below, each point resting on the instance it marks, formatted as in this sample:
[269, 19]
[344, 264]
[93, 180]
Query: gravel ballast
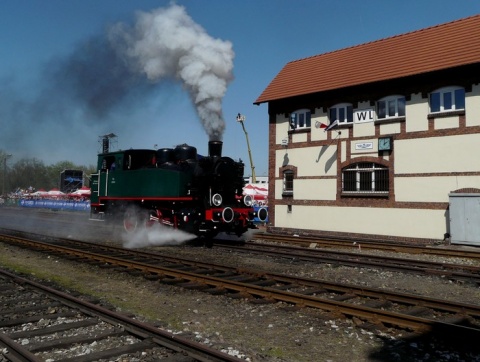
[254, 331]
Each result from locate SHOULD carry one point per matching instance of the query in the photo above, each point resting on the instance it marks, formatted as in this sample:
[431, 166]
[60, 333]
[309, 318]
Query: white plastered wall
[309, 189]
[281, 129]
[319, 161]
[443, 156]
[472, 101]
[310, 161]
[416, 112]
[438, 154]
[315, 189]
[431, 189]
[389, 128]
[364, 220]
[447, 122]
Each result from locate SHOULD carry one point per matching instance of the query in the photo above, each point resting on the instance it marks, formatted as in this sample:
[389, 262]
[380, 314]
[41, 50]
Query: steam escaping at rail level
[156, 235]
[167, 43]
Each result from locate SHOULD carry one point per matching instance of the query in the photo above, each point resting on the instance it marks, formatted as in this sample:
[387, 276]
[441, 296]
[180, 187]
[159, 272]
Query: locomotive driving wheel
[134, 219]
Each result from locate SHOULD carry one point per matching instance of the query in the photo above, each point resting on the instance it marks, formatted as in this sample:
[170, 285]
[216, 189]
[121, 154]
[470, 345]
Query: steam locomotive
[176, 187]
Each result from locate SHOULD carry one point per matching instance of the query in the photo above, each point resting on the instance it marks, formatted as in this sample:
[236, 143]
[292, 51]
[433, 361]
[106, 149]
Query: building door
[465, 218]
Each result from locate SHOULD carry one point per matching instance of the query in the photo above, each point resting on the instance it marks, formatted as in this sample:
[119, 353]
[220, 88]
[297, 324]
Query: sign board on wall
[363, 115]
[364, 146]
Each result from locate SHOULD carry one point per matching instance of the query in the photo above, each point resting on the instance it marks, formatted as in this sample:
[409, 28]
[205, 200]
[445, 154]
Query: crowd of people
[30, 193]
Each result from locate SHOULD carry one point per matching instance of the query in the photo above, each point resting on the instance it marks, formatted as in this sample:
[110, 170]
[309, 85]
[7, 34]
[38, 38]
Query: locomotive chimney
[105, 144]
[106, 140]
[215, 148]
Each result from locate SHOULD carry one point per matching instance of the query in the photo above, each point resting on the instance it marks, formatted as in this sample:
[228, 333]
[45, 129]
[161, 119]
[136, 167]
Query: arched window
[447, 99]
[365, 177]
[391, 106]
[343, 113]
[300, 119]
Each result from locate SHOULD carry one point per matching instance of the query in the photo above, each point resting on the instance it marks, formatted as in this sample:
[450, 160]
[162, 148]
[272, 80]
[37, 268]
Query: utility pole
[241, 119]
[5, 158]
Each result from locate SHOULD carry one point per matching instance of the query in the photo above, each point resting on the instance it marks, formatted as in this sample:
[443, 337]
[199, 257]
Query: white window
[342, 112]
[447, 99]
[300, 119]
[391, 106]
[365, 177]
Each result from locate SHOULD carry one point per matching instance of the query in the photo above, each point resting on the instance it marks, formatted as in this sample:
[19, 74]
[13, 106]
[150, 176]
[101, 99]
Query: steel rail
[314, 283]
[18, 352]
[453, 271]
[367, 245]
[373, 315]
[162, 338]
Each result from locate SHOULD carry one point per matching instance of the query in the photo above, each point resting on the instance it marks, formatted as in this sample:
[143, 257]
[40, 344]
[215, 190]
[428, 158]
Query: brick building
[406, 147]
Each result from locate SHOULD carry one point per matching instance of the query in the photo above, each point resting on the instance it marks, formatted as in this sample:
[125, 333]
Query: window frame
[447, 94]
[288, 177]
[300, 119]
[347, 109]
[369, 179]
[397, 109]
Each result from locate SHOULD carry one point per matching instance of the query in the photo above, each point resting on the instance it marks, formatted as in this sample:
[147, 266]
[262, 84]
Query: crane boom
[241, 119]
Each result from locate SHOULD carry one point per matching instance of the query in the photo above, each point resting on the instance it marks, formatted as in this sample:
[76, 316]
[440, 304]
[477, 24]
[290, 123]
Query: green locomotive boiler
[177, 187]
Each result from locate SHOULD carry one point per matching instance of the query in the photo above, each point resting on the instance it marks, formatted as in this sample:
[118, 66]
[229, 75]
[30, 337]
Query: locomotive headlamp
[228, 214]
[262, 214]
[217, 199]
[247, 200]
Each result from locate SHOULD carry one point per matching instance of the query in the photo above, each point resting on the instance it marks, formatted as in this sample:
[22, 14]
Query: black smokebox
[215, 148]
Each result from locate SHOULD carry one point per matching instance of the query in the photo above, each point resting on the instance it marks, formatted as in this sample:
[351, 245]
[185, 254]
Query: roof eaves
[303, 76]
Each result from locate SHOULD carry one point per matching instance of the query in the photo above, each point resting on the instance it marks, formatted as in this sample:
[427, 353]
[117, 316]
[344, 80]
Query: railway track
[368, 306]
[464, 272]
[315, 242]
[38, 323]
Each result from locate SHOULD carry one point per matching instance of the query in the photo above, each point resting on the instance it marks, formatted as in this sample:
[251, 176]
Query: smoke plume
[111, 73]
[165, 44]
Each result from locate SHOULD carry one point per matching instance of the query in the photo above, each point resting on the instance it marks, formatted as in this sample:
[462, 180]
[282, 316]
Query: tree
[29, 172]
[4, 180]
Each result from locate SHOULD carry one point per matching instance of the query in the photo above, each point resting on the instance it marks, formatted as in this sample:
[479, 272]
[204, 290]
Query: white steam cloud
[167, 43]
[156, 235]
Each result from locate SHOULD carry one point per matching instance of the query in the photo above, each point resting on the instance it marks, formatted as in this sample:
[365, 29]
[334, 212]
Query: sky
[160, 73]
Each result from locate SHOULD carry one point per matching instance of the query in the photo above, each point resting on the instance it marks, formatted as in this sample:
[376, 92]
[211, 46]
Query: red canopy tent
[55, 192]
[39, 193]
[258, 192]
[81, 192]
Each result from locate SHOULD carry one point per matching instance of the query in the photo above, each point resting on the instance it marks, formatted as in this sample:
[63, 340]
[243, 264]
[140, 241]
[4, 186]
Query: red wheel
[133, 219]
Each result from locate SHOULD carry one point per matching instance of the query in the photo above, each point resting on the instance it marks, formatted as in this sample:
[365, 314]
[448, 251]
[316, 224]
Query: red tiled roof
[439, 47]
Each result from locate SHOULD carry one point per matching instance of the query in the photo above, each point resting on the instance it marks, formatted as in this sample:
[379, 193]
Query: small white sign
[364, 146]
[363, 115]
